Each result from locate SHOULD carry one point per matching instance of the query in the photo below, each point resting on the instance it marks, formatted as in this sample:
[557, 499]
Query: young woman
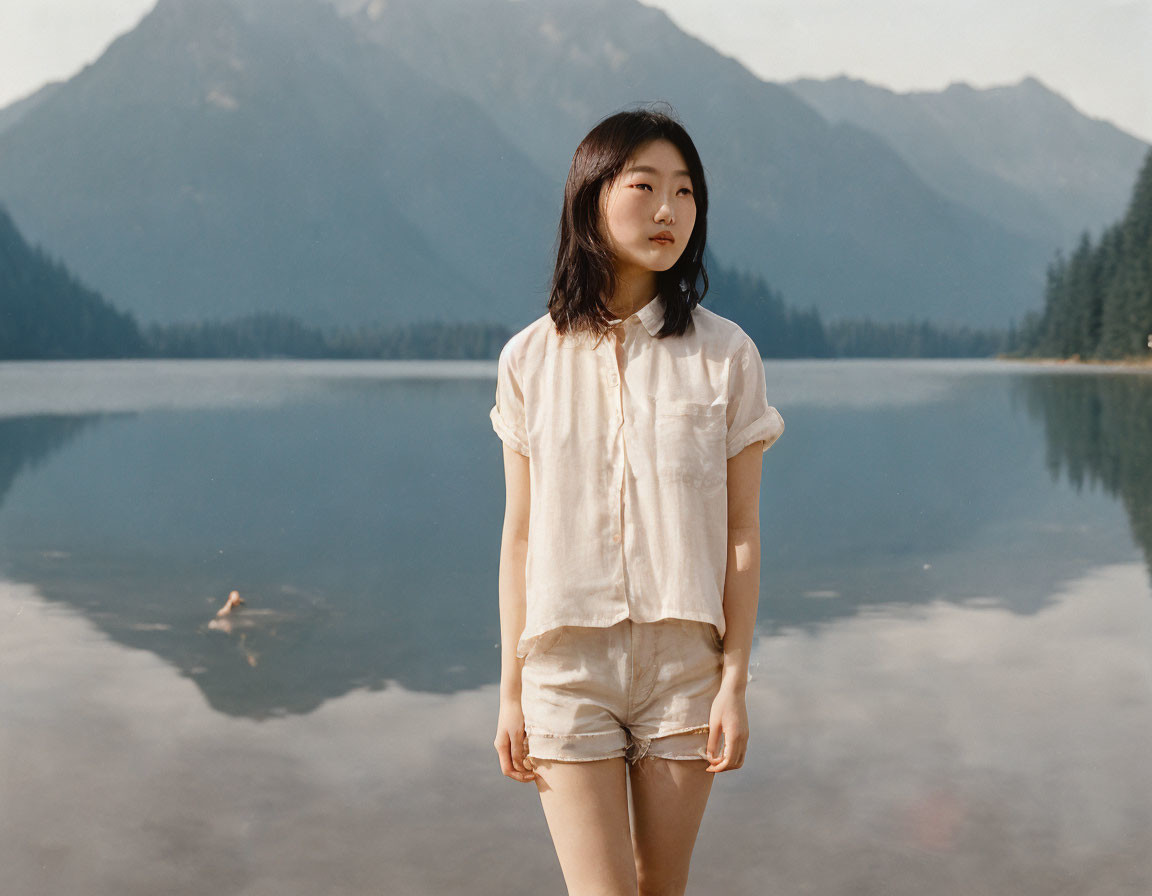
[634, 424]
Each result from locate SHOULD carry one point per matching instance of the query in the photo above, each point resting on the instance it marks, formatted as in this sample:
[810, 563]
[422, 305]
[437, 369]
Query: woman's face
[652, 195]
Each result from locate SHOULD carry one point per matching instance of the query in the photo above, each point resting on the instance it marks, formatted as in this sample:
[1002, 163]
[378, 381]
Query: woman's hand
[729, 717]
[511, 742]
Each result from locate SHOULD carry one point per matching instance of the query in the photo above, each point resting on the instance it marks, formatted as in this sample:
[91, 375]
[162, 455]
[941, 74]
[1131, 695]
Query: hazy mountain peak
[351, 160]
[1032, 83]
[1020, 152]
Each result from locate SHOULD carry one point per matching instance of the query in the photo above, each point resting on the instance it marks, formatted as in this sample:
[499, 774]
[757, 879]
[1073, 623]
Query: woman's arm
[513, 557]
[729, 716]
[510, 736]
[742, 575]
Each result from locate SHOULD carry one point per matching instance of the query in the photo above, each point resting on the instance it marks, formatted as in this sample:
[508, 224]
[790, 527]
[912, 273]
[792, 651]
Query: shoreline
[1143, 364]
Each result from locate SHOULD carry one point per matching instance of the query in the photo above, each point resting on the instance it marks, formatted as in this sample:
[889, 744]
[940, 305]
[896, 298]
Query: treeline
[1098, 301]
[912, 339]
[269, 334]
[781, 331]
[46, 313]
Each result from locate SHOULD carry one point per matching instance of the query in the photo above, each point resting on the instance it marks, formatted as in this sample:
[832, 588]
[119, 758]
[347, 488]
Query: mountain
[828, 213]
[223, 158]
[46, 313]
[1020, 153]
[14, 111]
[355, 160]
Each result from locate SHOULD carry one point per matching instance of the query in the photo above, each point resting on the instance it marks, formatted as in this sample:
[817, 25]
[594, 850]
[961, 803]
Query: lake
[951, 686]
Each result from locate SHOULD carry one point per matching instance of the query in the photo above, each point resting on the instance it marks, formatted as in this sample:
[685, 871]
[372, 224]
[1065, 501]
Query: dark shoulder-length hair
[584, 274]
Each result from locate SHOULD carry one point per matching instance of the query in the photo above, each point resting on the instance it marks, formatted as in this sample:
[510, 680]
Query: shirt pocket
[690, 438]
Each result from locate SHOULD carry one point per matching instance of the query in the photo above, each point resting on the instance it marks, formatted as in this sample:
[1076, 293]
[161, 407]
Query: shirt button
[616, 537]
[612, 379]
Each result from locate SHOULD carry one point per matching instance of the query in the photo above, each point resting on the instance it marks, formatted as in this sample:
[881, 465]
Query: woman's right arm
[513, 557]
[513, 611]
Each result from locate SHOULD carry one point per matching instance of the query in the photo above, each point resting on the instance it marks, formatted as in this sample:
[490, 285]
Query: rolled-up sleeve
[508, 412]
[750, 417]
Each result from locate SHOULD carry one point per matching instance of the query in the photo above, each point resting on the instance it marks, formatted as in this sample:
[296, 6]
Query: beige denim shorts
[632, 689]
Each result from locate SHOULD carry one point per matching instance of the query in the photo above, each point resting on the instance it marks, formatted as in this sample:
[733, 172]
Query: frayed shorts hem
[682, 743]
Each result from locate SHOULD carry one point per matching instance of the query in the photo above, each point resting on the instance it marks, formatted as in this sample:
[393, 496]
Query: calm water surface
[952, 682]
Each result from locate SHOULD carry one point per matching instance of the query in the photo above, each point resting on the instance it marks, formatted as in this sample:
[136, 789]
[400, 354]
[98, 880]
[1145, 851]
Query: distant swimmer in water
[223, 622]
[234, 600]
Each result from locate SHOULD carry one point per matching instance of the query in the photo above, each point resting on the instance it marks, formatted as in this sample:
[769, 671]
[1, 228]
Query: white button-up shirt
[628, 441]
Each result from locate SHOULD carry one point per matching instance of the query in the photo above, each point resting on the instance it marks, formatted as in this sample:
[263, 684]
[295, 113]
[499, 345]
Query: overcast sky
[1097, 53]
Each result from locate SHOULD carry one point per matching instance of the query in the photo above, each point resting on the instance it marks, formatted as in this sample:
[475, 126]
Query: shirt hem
[524, 644]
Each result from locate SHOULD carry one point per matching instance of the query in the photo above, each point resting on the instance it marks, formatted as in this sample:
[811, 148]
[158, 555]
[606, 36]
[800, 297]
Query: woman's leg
[586, 804]
[668, 801]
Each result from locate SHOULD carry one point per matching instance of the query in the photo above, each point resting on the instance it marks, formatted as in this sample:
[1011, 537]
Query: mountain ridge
[350, 160]
[1021, 153]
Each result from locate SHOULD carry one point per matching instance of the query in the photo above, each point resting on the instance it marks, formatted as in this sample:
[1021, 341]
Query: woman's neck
[632, 295]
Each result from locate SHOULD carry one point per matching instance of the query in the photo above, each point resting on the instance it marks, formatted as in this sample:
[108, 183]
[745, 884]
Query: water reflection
[356, 506]
[1098, 431]
[333, 525]
[26, 441]
[944, 749]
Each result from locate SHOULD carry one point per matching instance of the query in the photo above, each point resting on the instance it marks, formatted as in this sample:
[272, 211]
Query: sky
[1096, 53]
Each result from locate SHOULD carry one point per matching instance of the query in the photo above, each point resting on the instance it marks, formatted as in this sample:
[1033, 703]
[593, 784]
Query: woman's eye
[649, 187]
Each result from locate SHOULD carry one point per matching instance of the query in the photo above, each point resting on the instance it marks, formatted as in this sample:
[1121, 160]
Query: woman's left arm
[741, 600]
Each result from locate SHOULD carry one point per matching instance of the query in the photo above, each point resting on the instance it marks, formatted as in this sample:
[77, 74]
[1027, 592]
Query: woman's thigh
[668, 801]
[586, 805]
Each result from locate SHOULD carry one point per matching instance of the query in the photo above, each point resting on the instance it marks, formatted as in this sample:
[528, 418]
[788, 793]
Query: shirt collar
[651, 315]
